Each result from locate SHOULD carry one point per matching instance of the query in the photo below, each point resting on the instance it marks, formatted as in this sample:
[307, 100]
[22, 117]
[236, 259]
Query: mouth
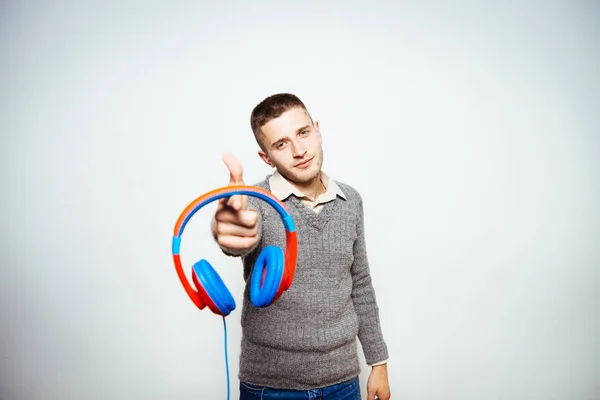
[304, 164]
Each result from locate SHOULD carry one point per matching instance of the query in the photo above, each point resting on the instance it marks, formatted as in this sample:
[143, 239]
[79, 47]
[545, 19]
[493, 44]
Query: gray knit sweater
[307, 338]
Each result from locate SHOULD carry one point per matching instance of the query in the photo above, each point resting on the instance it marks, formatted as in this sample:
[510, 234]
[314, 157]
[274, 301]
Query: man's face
[293, 146]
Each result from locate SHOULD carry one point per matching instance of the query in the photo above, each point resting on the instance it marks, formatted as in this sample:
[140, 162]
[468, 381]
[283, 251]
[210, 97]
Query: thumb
[235, 178]
[235, 169]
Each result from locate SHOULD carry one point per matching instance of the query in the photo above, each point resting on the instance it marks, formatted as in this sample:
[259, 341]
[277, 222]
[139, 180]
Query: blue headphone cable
[226, 357]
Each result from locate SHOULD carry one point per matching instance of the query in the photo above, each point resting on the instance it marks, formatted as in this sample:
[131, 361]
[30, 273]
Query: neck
[311, 189]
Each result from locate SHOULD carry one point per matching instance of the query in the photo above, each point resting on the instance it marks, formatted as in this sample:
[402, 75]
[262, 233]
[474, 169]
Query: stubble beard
[304, 180]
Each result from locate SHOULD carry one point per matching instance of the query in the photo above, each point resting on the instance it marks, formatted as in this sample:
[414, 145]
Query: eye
[304, 132]
[280, 145]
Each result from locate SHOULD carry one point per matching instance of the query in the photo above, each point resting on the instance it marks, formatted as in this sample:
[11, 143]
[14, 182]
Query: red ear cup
[212, 289]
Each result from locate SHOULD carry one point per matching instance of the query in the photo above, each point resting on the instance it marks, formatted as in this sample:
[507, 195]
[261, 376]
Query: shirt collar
[282, 188]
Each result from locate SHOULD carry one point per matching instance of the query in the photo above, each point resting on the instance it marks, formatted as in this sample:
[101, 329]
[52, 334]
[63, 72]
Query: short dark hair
[271, 108]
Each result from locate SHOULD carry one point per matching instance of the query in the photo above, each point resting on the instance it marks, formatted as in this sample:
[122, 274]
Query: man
[304, 344]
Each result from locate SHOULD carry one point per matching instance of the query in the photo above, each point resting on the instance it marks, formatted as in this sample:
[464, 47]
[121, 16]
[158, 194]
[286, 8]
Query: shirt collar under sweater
[282, 189]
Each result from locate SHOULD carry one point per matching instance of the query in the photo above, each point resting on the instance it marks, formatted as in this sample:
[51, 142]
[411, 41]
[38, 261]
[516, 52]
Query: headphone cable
[226, 357]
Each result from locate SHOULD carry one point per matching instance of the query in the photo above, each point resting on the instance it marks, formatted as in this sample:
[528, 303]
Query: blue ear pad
[271, 258]
[214, 286]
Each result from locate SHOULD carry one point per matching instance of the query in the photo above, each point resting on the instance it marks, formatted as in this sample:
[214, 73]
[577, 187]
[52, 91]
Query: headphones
[273, 271]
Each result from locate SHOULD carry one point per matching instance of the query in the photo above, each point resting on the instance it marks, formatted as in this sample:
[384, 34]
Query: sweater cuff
[379, 363]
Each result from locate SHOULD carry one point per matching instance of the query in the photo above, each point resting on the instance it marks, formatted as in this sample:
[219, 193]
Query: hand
[378, 386]
[234, 226]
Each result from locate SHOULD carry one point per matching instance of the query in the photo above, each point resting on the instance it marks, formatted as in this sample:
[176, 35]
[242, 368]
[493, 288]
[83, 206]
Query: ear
[318, 130]
[265, 158]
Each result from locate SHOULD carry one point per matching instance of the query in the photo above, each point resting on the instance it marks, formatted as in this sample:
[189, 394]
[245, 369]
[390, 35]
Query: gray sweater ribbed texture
[307, 338]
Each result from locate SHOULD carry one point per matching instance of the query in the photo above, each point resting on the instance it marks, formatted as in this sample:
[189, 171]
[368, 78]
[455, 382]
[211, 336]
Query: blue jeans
[349, 390]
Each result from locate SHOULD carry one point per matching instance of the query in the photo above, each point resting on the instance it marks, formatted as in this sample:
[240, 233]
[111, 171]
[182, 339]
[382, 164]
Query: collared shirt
[282, 189]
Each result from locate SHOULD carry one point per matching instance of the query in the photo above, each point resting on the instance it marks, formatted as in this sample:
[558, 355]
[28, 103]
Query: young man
[304, 344]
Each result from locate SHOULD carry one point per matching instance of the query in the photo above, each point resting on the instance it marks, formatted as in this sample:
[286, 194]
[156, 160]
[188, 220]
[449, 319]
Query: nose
[299, 149]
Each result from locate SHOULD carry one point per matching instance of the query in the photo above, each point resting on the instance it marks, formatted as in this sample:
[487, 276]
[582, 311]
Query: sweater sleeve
[365, 303]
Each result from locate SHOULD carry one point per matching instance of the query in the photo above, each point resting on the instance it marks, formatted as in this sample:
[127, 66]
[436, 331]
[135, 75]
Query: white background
[471, 130]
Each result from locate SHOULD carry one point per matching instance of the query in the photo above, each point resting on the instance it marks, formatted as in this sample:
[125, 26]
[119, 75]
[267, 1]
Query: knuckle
[221, 229]
[221, 240]
[220, 215]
